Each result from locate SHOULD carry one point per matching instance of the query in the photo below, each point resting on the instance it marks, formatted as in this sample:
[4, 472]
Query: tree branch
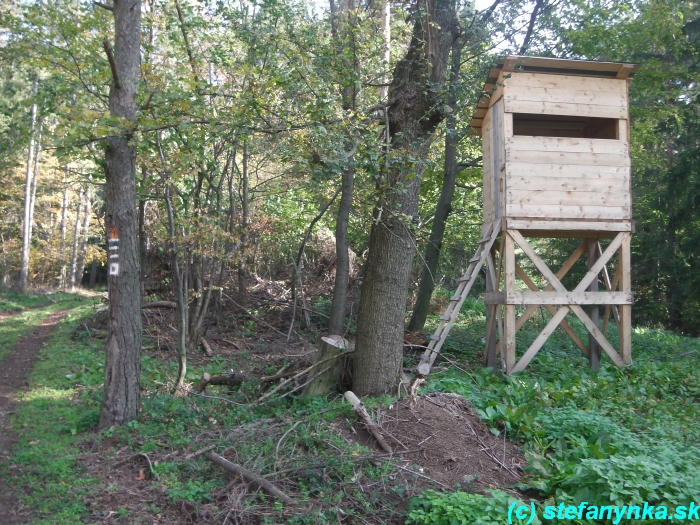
[530, 27]
[103, 6]
[112, 63]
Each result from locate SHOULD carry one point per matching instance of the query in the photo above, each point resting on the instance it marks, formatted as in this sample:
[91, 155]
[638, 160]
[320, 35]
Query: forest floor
[469, 430]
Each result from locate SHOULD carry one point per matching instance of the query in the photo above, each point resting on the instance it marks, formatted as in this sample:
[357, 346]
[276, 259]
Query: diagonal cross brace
[578, 311]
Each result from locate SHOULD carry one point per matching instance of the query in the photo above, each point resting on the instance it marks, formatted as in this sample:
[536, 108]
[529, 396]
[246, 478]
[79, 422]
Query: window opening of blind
[537, 125]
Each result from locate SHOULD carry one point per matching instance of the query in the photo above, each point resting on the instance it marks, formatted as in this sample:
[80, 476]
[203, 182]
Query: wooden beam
[593, 329]
[613, 285]
[530, 309]
[626, 310]
[625, 70]
[594, 310]
[540, 340]
[598, 266]
[539, 263]
[491, 285]
[509, 310]
[560, 274]
[556, 298]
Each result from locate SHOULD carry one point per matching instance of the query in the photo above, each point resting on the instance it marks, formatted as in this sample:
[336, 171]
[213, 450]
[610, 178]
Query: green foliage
[460, 508]
[615, 437]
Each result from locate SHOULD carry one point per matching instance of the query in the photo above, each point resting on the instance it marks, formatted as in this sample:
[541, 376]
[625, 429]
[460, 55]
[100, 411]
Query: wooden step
[445, 317]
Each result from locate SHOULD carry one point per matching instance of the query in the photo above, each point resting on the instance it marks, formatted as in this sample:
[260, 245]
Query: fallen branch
[231, 380]
[423, 476]
[369, 423]
[250, 476]
[280, 374]
[296, 389]
[207, 347]
[227, 342]
[488, 451]
[200, 452]
[139, 454]
[299, 374]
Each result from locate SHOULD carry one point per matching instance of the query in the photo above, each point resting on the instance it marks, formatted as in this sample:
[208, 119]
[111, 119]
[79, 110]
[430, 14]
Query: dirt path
[14, 371]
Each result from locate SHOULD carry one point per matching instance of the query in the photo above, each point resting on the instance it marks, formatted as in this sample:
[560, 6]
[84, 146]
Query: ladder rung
[464, 279]
[475, 259]
[434, 337]
[484, 240]
[455, 298]
[445, 318]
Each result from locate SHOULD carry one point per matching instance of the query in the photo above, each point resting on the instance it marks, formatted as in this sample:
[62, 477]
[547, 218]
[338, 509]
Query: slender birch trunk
[26, 225]
[76, 241]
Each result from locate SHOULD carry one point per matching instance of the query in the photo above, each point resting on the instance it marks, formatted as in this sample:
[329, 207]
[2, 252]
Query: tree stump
[327, 383]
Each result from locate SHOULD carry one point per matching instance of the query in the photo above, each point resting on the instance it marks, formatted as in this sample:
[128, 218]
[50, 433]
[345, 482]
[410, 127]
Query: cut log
[159, 304]
[232, 379]
[369, 423]
[250, 476]
[328, 382]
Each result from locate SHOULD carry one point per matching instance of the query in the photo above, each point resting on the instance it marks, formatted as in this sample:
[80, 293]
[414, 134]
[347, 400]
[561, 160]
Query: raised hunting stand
[555, 164]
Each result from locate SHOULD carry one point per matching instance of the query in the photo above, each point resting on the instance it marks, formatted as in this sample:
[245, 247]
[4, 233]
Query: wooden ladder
[457, 300]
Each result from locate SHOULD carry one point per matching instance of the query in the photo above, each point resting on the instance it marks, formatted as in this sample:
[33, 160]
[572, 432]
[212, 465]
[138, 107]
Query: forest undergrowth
[615, 437]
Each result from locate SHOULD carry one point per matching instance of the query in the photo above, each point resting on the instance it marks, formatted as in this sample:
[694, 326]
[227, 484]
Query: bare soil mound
[445, 443]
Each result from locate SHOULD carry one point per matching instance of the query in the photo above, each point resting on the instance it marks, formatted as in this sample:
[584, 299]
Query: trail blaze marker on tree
[113, 250]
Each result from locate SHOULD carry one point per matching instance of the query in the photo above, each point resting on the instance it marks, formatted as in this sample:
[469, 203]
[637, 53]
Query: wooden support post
[626, 309]
[594, 310]
[508, 347]
[491, 286]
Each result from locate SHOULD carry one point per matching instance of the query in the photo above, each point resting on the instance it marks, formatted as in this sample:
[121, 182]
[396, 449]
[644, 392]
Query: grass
[30, 311]
[589, 437]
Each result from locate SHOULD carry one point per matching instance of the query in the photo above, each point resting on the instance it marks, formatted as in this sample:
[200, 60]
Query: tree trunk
[142, 242]
[444, 204]
[245, 211]
[120, 402]
[62, 247]
[76, 240]
[386, 46]
[413, 115]
[35, 178]
[336, 323]
[26, 225]
[179, 297]
[93, 273]
[82, 254]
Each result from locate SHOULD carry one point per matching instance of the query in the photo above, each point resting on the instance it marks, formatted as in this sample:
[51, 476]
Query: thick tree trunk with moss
[414, 111]
[120, 402]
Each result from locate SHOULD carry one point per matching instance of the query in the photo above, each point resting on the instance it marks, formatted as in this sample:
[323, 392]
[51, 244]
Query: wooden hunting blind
[555, 164]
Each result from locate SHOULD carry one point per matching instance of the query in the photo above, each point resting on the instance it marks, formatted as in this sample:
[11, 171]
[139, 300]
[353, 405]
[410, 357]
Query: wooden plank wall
[565, 95]
[565, 178]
